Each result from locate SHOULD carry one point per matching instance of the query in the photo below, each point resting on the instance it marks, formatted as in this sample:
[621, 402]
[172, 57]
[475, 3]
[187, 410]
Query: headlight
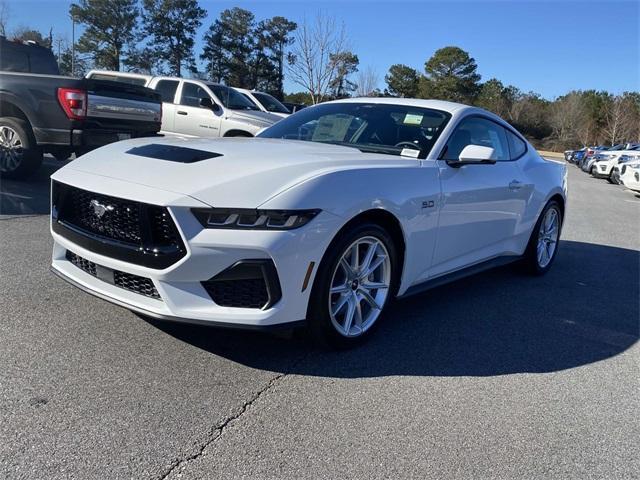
[250, 219]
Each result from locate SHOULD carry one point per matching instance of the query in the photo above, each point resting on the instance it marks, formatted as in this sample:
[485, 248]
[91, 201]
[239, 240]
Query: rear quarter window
[516, 146]
[167, 90]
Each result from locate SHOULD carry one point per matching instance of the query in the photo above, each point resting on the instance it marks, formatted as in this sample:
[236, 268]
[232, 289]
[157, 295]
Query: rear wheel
[354, 283]
[19, 154]
[543, 244]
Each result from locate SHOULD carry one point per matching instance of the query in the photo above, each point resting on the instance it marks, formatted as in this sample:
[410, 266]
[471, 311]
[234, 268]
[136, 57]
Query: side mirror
[206, 102]
[474, 155]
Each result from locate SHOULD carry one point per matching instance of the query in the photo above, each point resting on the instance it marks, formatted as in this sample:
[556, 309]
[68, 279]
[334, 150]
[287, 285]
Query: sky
[549, 47]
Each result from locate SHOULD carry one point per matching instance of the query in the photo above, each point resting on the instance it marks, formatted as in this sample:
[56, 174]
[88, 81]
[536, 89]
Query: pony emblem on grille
[99, 209]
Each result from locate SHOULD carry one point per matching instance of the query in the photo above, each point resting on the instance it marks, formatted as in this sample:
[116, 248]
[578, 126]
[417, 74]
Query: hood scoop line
[172, 153]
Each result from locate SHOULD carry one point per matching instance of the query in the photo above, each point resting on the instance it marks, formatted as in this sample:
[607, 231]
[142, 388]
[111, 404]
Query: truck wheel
[19, 154]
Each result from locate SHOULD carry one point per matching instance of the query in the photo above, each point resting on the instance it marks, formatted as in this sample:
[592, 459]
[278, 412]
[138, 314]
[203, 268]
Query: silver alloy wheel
[548, 236]
[359, 286]
[11, 149]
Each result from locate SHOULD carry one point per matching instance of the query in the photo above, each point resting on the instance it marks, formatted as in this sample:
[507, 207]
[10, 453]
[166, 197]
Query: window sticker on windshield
[410, 152]
[413, 119]
[332, 128]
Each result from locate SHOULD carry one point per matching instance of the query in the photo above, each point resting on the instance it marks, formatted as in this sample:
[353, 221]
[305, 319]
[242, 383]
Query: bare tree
[620, 121]
[367, 81]
[309, 62]
[566, 114]
[4, 17]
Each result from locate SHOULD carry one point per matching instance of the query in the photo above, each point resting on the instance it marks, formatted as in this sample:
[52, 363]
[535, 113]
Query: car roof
[413, 102]
[117, 73]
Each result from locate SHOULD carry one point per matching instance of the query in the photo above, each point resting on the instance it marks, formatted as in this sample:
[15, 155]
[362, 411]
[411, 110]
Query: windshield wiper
[366, 147]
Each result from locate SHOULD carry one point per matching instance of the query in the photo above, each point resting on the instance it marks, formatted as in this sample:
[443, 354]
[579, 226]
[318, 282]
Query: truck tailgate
[120, 101]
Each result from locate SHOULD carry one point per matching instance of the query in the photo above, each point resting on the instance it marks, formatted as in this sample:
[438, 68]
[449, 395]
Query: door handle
[515, 185]
[182, 112]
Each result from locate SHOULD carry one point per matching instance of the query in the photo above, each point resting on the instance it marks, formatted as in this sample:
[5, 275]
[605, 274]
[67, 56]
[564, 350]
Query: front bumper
[631, 179]
[208, 253]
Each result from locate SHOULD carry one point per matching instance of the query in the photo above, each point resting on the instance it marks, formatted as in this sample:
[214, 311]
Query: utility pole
[73, 46]
[280, 72]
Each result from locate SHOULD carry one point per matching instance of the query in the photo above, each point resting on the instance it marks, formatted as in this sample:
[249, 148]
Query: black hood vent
[172, 153]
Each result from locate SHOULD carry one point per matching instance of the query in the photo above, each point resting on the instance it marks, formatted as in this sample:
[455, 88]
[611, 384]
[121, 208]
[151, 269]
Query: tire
[611, 179]
[531, 260]
[19, 154]
[592, 171]
[353, 318]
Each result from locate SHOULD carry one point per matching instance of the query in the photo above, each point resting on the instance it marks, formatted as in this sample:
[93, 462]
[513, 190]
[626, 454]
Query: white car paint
[451, 218]
[630, 174]
[251, 95]
[190, 120]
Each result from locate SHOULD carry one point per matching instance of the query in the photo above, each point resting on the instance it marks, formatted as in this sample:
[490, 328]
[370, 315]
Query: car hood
[242, 173]
[255, 117]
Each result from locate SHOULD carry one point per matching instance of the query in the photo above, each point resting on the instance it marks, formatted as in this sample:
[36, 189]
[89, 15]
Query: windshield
[270, 103]
[231, 98]
[370, 127]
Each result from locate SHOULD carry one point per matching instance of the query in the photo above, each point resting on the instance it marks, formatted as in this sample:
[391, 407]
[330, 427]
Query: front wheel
[19, 154]
[543, 244]
[354, 283]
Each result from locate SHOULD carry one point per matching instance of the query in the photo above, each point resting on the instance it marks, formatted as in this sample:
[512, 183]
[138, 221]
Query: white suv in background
[197, 108]
[265, 102]
[628, 174]
[607, 160]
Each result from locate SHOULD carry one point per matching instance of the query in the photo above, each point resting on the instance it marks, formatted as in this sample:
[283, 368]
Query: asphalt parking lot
[496, 376]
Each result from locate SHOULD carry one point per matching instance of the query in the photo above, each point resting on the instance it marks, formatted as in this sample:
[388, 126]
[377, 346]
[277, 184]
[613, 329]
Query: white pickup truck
[198, 108]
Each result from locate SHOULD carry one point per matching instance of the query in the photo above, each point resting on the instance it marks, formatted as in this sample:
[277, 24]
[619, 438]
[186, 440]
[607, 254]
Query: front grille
[134, 283]
[82, 263]
[127, 281]
[120, 221]
[131, 231]
[163, 230]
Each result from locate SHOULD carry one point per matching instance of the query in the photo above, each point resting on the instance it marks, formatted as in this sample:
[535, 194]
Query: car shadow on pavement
[29, 196]
[586, 309]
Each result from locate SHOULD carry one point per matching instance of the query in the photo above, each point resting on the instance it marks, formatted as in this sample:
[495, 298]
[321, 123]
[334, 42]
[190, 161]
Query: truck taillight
[73, 102]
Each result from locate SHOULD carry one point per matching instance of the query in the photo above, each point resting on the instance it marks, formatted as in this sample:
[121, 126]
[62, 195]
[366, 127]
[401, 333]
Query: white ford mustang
[324, 217]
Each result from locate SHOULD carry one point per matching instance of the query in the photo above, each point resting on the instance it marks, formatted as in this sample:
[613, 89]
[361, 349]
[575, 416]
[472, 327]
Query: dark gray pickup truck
[43, 112]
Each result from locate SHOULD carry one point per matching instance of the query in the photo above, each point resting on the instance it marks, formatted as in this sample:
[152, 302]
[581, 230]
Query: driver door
[481, 204]
[190, 117]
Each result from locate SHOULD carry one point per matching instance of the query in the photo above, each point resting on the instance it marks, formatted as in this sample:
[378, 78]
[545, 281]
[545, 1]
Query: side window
[191, 94]
[516, 146]
[167, 89]
[478, 131]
